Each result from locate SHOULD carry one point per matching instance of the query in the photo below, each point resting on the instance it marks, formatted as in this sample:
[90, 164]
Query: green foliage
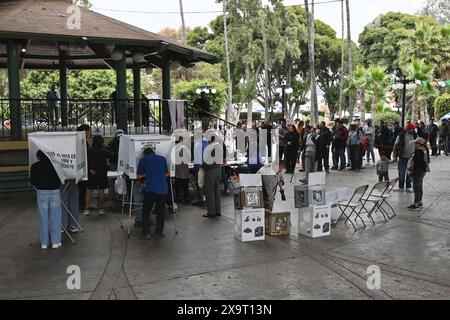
[381, 40]
[388, 117]
[186, 90]
[198, 37]
[442, 106]
[438, 9]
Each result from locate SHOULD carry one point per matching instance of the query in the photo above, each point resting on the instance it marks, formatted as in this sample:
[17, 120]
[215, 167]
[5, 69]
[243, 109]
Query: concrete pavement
[205, 261]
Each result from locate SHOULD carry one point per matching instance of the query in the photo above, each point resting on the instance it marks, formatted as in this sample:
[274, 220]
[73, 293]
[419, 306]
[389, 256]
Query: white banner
[66, 150]
[131, 151]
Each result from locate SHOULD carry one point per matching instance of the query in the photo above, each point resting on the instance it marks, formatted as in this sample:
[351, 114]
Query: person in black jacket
[418, 166]
[382, 140]
[292, 144]
[324, 140]
[45, 180]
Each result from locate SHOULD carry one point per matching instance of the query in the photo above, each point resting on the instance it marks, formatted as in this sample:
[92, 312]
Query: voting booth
[67, 152]
[131, 151]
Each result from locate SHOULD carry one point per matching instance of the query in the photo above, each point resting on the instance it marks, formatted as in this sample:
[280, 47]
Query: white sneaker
[101, 212]
[56, 245]
[85, 212]
[73, 229]
[44, 246]
[409, 190]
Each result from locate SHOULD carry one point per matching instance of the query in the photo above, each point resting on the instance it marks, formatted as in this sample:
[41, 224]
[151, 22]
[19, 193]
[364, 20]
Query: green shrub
[388, 117]
[442, 106]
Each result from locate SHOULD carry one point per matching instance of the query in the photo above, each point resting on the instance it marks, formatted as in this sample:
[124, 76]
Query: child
[383, 168]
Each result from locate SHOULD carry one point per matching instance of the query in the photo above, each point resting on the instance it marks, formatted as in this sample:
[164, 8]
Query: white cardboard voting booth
[66, 151]
[131, 151]
[68, 154]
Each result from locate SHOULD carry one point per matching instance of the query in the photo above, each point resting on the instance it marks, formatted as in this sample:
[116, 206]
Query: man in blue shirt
[153, 169]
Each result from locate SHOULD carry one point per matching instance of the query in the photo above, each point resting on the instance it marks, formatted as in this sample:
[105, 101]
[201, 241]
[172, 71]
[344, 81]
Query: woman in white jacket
[369, 133]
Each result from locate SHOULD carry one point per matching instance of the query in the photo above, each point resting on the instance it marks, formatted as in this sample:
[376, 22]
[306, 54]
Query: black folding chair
[376, 197]
[353, 205]
[387, 195]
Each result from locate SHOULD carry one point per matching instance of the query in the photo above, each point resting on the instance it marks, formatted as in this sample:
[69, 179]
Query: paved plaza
[205, 261]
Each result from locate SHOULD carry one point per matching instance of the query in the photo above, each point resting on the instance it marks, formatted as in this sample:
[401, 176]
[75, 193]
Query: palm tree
[377, 84]
[421, 71]
[359, 84]
[310, 30]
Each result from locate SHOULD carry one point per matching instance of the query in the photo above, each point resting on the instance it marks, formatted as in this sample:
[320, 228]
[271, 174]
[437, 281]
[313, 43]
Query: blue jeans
[339, 154]
[402, 175]
[70, 199]
[49, 205]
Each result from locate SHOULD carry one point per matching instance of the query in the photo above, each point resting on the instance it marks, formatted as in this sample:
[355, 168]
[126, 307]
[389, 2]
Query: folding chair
[375, 196]
[387, 195]
[354, 204]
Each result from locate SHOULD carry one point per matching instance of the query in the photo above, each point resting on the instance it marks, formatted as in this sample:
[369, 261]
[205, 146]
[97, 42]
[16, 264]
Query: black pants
[355, 157]
[383, 175]
[182, 188]
[291, 159]
[82, 187]
[339, 155]
[323, 159]
[433, 144]
[417, 178]
[150, 199]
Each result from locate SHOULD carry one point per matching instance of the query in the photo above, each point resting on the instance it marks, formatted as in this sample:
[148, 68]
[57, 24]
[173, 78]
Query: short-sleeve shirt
[154, 168]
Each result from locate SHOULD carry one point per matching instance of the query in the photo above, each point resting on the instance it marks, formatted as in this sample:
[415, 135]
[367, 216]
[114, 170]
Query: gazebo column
[166, 93]
[137, 95]
[14, 90]
[121, 76]
[63, 87]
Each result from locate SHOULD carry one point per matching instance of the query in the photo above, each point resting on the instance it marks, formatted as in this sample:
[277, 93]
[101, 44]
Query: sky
[362, 12]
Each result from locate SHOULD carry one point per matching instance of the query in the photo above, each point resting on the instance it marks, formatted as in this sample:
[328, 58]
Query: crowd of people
[60, 202]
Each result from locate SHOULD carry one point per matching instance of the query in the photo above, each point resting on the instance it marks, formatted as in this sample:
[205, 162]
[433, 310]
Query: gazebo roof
[41, 26]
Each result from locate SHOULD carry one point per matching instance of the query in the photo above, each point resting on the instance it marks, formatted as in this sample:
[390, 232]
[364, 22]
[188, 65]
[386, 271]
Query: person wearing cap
[403, 149]
[418, 166]
[432, 131]
[444, 133]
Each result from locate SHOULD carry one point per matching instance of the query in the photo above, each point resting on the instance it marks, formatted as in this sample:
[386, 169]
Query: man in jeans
[154, 169]
[404, 148]
[45, 180]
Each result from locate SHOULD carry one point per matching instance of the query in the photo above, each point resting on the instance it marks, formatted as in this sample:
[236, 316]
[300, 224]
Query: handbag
[120, 186]
[201, 178]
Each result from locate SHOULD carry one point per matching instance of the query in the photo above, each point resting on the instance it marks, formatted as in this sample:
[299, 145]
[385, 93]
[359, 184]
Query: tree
[358, 84]
[341, 71]
[377, 83]
[438, 9]
[83, 3]
[350, 58]
[431, 43]
[382, 39]
[418, 70]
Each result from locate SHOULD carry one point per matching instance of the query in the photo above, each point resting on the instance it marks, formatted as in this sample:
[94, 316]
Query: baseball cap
[119, 133]
[410, 126]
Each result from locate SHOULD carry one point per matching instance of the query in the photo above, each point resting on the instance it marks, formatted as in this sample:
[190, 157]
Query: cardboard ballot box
[249, 225]
[315, 221]
[248, 193]
[278, 223]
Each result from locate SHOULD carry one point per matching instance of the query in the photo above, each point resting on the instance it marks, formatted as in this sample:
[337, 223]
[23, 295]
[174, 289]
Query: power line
[197, 12]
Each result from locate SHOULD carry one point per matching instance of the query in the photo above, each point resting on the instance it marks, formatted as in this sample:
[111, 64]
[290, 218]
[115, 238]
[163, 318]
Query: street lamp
[284, 89]
[206, 88]
[401, 82]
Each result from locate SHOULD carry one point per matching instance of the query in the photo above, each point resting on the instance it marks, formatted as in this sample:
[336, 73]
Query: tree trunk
[250, 103]
[350, 59]
[341, 85]
[374, 104]
[310, 25]
[414, 106]
[266, 64]
[183, 24]
[362, 107]
[422, 108]
[227, 57]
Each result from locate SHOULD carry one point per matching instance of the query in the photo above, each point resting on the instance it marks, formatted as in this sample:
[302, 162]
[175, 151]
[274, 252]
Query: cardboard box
[278, 223]
[249, 225]
[317, 195]
[301, 196]
[248, 193]
[315, 221]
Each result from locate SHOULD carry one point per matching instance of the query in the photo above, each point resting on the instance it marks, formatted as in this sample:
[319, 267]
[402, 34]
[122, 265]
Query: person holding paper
[45, 180]
[155, 171]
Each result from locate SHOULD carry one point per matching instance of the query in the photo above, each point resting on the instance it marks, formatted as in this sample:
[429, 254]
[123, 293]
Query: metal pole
[137, 95]
[121, 74]
[63, 87]
[283, 100]
[14, 90]
[404, 103]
